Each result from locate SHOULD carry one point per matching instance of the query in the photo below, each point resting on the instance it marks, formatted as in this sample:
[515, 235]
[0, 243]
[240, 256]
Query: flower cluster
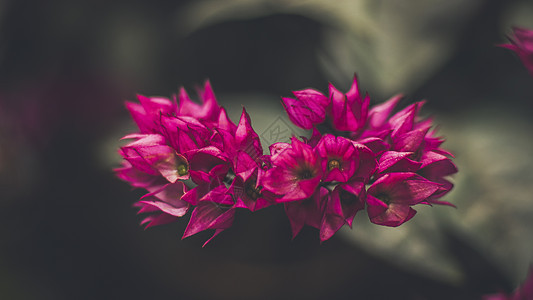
[191, 156]
[522, 43]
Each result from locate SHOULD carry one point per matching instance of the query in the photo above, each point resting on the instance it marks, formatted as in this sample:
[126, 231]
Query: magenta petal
[296, 216]
[154, 106]
[134, 176]
[388, 215]
[392, 161]
[147, 114]
[315, 102]
[352, 197]
[224, 121]
[367, 162]
[192, 195]
[333, 218]
[410, 141]
[158, 219]
[435, 166]
[305, 212]
[403, 121]
[209, 215]
[246, 138]
[185, 133]
[331, 223]
[208, 110]
[168, 192]
[336, 175]
[379, 114]
[299, 116]
[308, 109]
[359, 107]
[343, 117]
[403, 188]
[206, 159]
[177, 208]
[218, 195]
[279, 181]
[375, 144]
[278, 148]
[140, 117]
[375, 207]
[389, 158]
[306, 188]
[168, 199]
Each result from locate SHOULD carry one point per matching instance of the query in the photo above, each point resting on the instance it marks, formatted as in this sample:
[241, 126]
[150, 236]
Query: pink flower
[390, 198]
[296, 172]
[208, 163]
[522, 44]
[348, 111]
[342, 205]
[244, 147]
[338, 158]
[308, 109]
[136, 177]
[249, 194]
[207, 112]
[150, 154]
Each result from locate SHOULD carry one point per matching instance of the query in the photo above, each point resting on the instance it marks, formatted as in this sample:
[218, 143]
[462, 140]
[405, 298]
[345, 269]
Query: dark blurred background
[69, 230]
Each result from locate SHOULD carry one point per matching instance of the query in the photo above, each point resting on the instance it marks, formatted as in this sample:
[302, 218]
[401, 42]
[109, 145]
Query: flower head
[191, 157]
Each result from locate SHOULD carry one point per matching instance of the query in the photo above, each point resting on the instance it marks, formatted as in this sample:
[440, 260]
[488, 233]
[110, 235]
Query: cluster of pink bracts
[191, 156]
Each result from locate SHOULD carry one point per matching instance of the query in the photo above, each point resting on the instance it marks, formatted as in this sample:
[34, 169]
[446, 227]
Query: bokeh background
[68, 230]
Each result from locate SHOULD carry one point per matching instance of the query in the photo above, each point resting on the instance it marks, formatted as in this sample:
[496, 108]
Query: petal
[393, 161]
[308, 109]
[246, 138]
[209, 215]
[342, 116]
[379, 114]
[410, 141]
